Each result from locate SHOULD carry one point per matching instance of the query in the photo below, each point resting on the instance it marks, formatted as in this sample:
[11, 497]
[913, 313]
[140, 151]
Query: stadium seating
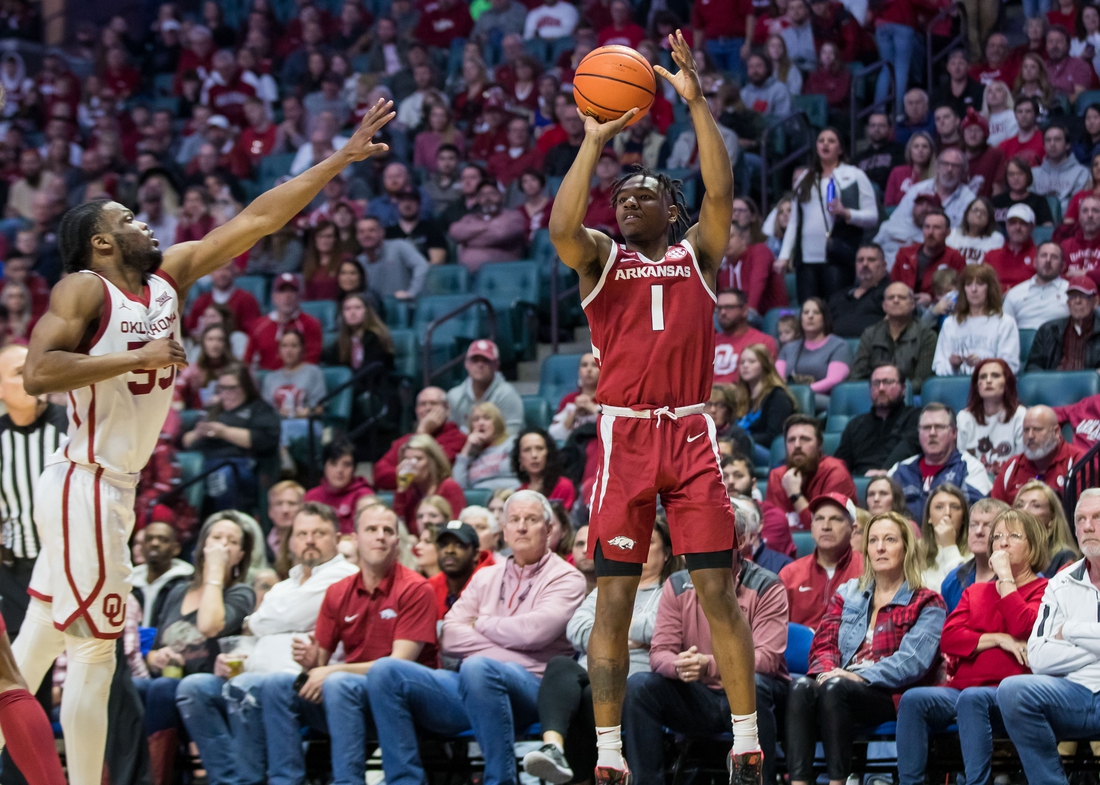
[1057, 388]
[323, 311]
[446, 279]
[536, 411]
[949, 390]
[1027, 337]
[558, 377]
[257, 286]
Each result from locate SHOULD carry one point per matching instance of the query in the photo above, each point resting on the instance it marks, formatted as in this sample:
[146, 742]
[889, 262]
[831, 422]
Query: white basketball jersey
[115, 424]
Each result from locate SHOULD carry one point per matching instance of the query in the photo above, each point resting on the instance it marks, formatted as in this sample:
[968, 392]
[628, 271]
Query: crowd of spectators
[428, 579]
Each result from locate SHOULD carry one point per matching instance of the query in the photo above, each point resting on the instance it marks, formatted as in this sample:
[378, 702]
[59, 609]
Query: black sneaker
[547, 763]
[746, 768]
[605, 775]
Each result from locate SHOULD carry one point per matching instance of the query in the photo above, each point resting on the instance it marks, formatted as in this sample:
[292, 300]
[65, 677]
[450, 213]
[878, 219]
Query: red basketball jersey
[652, 326]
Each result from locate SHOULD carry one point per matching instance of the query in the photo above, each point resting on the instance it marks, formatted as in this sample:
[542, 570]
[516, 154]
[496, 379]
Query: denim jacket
[906, 642]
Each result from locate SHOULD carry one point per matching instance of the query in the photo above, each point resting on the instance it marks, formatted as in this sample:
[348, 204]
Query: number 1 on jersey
[657, 306]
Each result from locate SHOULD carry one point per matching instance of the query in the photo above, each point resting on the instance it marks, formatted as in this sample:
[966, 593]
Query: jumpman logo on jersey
[123, 307]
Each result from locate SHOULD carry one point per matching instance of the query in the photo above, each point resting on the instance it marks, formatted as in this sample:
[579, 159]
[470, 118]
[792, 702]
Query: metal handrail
[556, 299]
[1084, 474]
[371, 368]
[801, 120]
[426, 350]
[856, 114]
[956, 9]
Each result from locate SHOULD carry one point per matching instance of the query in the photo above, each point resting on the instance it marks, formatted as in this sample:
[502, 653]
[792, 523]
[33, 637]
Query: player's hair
[75, 232]
[929, 546]
[665, 184]
[322, 511]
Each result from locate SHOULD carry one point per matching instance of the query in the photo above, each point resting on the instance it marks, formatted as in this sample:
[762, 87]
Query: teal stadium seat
[850, 399]
[536, 411]
[803, 543]
[514, 289]
[406, 357]
[829, 443]
[815, 107]
[771, 320]
[276, 166]
[950, 390]
[257, 286]
[191, 466]
[476, 496]
[777, 452]
[558, 376]
[470, 324]
[803, 397]
[1085, 100]
[1055, 209]
[338, 408]
[862, 482]
[323, 311]
[1027, 337]
[386, 497]
[396, 313]
[1042, 234]
[446, 279]
[1057, 388]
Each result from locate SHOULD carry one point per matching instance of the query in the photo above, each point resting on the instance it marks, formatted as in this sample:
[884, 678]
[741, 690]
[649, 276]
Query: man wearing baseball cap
[263, 341]
[1014, 263]
[485, 384]
[812, 580]
[984, 163]
[457, 544]
[1071, 343]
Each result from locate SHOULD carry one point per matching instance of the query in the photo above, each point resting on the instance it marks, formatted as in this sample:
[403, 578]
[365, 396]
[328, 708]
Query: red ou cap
[483, 348]
[1082, 284]
[287, 280]
[838, 499]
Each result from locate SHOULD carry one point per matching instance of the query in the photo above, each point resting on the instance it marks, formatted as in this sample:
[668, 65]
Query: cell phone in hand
[300, 682]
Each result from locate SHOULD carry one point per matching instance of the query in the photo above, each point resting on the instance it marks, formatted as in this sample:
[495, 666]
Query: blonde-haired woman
[999, 109]
[1039, 499]
[879, 636]
[979, 330]
[770, 403]
[920, 164]
[485, 461]
[944, 529]
[423, 470]
[986, 638]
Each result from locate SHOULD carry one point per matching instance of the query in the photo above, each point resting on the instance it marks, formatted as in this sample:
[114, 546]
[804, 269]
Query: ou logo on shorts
[114, 610]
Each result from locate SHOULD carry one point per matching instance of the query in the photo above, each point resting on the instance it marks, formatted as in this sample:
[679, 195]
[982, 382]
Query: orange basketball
[611, 81]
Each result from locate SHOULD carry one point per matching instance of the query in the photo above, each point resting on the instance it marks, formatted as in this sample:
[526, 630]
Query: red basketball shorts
[641, 459]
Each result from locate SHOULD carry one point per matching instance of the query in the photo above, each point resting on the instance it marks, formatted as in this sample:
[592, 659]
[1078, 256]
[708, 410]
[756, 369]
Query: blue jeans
[225, 720]
[896, 44]
[934, 708]
[347, 710]
[1038, 710]
[284, 714]
[487, 696]
[1034, 8]
[726, 53]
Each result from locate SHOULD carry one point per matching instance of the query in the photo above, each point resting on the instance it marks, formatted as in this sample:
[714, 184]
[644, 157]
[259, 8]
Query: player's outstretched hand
[162, 353]
[361, 146]
[605, 132]
[686, 82]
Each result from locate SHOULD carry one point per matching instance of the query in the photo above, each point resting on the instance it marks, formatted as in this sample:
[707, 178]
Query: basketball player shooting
[111, 341]
[650, 305]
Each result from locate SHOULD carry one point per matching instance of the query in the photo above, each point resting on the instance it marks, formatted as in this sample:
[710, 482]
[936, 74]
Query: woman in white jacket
[943, 534]
[979, 330]
[834, 203]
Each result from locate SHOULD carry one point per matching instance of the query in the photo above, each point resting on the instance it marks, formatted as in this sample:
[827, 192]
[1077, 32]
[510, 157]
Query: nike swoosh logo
[350, 619]
[696, 436]
[805, 588]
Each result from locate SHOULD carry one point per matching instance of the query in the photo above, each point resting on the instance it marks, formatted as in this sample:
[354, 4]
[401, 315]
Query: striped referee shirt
[23, 453]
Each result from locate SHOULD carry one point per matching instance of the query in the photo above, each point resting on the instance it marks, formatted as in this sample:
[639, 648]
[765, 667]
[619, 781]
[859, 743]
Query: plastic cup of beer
[236, 649]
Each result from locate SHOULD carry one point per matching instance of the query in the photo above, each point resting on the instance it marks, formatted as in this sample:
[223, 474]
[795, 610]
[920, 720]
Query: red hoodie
[809, 587]
[342, 501]
[906, 267]
[831, 477]
[438, 582]
[1011, 267]
[1084, 416]
[1081, 253]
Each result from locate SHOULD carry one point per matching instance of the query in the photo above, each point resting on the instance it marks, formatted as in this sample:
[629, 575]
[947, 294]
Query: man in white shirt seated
[1042, 297]
[225, 720]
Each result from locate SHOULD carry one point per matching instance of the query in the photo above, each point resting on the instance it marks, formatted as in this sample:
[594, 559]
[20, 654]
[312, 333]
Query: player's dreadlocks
[75, 233]
[665, 184]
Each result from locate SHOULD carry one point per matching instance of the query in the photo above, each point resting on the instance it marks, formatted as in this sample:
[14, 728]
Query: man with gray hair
[1061, 697]
[753, 547]
[508, 623]
[1047, 456]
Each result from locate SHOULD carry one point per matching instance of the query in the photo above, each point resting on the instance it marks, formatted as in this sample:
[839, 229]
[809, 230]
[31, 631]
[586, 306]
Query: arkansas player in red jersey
[650, 305]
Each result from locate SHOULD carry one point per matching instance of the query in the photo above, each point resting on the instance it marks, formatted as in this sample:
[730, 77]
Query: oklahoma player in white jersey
[111, 341]
[650, 305]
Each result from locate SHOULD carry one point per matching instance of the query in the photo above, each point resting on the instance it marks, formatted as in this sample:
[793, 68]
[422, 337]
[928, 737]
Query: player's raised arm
[188, 262]
[54, 363]
[711, 235]
[576, 246]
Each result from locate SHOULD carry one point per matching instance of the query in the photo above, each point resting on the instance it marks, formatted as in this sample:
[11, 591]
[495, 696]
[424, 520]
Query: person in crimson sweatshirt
[1081, 253]
[748, 264]
[256, 141]
[806, 473]
[735, 334]
[1014, 262]
[915, 265]
[243, 305]
[812, 580]
[1028, 141]
[985, 164]
[1002, 611]
[340, 489]
[433, 414]
[446, 21]
[459, 558]
[1084, 418]
[263, 339]
[1046, 456]
[999, 65]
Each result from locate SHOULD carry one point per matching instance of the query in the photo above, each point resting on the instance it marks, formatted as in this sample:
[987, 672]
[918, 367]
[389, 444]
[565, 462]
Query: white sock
[744, 733]
[609, 747]
[84, 707]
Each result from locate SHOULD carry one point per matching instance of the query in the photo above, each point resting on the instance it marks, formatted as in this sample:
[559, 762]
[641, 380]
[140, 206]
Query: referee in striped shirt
[29, 434]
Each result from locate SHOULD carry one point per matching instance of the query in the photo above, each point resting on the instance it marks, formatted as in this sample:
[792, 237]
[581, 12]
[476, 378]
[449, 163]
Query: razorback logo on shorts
[623, 543]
